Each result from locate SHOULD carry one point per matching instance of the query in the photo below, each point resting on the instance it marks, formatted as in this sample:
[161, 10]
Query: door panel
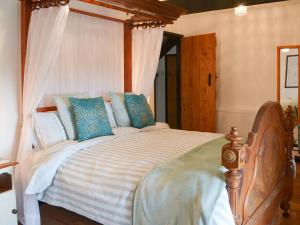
[171, 78]
[198, 83]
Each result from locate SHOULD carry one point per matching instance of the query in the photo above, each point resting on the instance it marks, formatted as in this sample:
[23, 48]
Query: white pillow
[119, 110]
[66, 114]
[49, 129]
[110, 115]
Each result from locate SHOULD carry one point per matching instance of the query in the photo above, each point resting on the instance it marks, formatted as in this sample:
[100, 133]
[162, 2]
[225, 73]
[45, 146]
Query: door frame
[178, 38]
[177, 55]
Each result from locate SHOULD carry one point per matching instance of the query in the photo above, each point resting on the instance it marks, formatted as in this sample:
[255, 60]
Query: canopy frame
[145, 14]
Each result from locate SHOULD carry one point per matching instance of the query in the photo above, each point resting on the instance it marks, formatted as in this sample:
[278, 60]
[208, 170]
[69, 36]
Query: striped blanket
[99, 181]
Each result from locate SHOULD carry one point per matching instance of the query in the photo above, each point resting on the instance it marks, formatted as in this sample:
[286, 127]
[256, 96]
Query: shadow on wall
[10, 79]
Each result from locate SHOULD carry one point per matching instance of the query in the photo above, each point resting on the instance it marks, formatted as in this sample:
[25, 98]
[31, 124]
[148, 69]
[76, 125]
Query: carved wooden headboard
[266, 153]
[261, 172]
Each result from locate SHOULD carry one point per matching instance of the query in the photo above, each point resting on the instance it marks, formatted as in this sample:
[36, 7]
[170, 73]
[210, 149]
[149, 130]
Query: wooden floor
[63, 217]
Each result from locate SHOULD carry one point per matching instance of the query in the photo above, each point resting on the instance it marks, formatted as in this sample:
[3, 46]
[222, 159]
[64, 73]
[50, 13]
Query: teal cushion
[91, 118]
[139, 111]
[119, 110]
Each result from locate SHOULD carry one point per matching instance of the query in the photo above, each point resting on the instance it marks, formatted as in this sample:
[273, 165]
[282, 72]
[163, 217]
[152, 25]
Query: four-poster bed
[261, 172]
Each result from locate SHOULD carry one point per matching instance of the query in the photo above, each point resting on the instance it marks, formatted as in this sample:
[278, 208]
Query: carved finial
[233, 158]
[234, 137]
[289, 124]
[289, 119]
[289, 109]
[233, 154]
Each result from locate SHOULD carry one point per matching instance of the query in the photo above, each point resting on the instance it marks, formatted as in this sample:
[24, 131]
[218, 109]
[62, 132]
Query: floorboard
[56, 216]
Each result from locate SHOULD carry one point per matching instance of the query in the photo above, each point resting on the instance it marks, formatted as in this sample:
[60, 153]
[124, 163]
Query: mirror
[288, 77]
[288, 81]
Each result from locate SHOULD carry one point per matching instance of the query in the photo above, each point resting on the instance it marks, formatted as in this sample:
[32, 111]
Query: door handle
[209, 79]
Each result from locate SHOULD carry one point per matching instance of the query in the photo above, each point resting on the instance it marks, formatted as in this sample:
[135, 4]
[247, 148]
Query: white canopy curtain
[44, 39]
[146, 47]
[91, 58]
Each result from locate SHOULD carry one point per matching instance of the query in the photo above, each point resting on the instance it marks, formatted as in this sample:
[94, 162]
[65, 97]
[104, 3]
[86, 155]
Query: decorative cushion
[110, 115]
[139, 111]
[91, 118]
[66, 113]
[119, 110]
[48, 129]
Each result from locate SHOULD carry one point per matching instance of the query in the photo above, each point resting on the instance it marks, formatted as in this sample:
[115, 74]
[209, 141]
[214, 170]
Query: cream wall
[9, 76]
[246, 55]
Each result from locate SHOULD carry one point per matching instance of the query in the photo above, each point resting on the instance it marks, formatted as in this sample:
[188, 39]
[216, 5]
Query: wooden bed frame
[261, 172]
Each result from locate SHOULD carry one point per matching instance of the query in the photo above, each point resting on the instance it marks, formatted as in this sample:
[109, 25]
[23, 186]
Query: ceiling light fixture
[241, 10]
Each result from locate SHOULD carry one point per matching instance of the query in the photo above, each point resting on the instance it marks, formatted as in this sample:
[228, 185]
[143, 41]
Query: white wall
[10, 76]
[246, 54]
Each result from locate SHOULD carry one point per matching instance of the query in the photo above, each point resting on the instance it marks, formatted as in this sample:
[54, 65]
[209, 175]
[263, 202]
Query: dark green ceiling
[194, 6]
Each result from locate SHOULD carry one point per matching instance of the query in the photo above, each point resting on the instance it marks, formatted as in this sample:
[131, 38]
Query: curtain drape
[44, 39]
[91, 58]
[146, 46]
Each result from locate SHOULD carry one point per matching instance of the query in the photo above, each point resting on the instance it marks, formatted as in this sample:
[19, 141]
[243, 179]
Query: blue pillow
[91, 118]
[139, 111]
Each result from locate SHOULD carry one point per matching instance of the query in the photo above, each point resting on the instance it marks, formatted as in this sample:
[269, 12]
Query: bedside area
[8, 209]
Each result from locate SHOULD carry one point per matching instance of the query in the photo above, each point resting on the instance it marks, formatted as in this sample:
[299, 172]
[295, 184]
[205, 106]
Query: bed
[157, 175]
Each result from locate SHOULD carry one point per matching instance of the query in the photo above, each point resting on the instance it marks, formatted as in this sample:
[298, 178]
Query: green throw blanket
[186, 191]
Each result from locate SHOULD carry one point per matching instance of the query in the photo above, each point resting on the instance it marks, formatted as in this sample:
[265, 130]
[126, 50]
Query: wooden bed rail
[261, 172]
[54, 108]
[46, 109]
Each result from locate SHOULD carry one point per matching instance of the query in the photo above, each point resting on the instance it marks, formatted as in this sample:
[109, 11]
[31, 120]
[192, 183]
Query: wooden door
[198, 83]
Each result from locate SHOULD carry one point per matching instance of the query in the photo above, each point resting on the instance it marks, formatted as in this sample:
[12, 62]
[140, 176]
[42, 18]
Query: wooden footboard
[261, 172]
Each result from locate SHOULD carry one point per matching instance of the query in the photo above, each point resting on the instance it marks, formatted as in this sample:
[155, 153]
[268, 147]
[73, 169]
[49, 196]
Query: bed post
[233, 158]
[25, 20]
[289, 124]
[127, 57]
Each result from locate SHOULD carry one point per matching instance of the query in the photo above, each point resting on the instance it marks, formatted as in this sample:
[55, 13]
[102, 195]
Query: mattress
[99, 181]
[98, 178]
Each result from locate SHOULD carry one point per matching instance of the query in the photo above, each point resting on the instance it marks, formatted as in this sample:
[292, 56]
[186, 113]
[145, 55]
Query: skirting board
[242, 119]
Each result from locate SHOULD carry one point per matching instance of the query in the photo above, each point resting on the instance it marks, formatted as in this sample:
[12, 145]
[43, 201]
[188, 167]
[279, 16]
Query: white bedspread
[98, 178]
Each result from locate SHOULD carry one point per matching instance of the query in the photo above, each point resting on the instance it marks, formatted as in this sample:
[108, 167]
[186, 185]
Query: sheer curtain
[91, 58]
[44, 39]
[146, 46]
